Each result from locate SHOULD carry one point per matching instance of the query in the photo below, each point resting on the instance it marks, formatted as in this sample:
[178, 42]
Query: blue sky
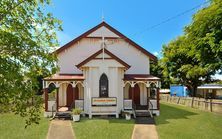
[130, 17]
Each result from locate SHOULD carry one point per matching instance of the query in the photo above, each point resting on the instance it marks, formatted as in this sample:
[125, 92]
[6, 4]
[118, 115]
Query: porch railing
[153, 104]
[79, 104]
[127, 104]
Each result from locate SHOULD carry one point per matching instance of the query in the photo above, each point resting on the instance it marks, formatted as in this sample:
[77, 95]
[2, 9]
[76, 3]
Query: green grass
[103, 128]
[180, 122]
[13, 127]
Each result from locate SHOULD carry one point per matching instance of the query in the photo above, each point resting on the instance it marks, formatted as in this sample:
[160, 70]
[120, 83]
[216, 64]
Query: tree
[181, 67]
[205, 35]
[194, 57]
[27, 36]
[157, 70]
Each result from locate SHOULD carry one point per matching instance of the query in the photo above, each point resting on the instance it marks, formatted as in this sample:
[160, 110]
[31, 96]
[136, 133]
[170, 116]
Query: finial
[103, 18]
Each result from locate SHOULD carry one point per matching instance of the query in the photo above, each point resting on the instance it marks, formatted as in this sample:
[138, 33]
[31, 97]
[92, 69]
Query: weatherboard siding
[72, 56]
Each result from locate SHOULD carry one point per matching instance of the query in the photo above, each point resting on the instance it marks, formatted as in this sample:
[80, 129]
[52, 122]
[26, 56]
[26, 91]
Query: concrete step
[141, 110]
[142, 114]
[61, 112]
[63, 115]
[145, 120]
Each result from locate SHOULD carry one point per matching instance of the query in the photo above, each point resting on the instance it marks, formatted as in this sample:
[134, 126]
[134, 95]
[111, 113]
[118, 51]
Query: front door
[69, 96]
[136, 95]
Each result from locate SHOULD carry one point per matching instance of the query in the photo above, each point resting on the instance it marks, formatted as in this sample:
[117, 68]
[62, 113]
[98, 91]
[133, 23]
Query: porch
[63, 92]
[141, 93]
[137, 93]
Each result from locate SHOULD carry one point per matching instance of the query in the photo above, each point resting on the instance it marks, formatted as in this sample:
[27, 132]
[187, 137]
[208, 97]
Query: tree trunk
[194, 90]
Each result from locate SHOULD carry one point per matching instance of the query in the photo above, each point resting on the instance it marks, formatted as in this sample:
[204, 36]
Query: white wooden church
[103, 72]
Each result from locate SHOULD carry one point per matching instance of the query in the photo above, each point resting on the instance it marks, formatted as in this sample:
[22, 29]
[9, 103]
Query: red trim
[74, 95]
[70, 74]
[46, 99]
[57, 99]
[99, 52]
[69, 95]
[136, 95]
[133, 93]
[151, 56]
[65, 77]
[78, 38]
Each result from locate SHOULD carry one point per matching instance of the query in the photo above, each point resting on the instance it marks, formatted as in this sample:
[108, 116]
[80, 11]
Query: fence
[213, 105]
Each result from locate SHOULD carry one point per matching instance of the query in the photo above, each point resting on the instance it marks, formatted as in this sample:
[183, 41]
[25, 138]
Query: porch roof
[140, 77]
[210, 86]
[65, 77]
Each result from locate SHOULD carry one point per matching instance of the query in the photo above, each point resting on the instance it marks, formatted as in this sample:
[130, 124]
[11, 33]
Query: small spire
[103, 18]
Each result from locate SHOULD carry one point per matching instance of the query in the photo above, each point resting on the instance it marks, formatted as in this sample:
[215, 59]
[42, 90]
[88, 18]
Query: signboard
[110, 101]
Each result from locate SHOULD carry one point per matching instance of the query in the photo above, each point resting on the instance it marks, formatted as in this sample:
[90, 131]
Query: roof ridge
[103, 23]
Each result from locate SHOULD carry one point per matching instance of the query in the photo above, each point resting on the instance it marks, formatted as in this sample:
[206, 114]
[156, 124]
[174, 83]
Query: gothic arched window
[103, 86]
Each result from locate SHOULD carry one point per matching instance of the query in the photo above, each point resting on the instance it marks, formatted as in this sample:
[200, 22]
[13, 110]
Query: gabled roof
[151, 56]
[99, 52]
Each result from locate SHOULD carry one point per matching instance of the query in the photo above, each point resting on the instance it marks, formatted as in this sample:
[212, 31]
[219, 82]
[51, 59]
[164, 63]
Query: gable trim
[84, 35]
[99, 52]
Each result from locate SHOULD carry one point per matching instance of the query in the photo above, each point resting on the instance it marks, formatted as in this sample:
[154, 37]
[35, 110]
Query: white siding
[67, 59]
[102, 31]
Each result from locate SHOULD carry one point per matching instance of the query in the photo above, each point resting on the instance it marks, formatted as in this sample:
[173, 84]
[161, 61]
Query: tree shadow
[122, 121]
[168, 112]
[108, 119]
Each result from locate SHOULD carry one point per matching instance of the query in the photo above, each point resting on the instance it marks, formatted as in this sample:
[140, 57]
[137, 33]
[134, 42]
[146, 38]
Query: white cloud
[217, 76]
[156, 53]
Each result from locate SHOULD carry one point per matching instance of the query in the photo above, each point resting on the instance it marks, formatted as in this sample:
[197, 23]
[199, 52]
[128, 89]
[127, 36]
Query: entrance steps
[145, 120]
[142, 113]
[144, 117]
[63, 115]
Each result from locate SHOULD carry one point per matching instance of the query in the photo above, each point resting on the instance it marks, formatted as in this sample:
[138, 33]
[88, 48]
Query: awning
[140, 77]
[65, 77]
[164, 90]
[210, 86]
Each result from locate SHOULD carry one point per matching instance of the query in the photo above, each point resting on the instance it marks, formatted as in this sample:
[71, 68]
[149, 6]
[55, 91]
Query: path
[60, 129]
[144, 129]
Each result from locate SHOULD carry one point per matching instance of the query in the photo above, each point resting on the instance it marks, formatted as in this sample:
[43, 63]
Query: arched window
[51, 91]
[103, 86]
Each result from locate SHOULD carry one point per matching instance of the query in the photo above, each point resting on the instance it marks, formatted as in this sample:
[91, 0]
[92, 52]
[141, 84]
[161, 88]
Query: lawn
[103, 128]
[180, 122]
[13, 127]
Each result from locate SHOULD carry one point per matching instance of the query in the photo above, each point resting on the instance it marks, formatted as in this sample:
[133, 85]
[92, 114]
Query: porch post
[132, 94]
[158, 98]
[57, 98]
[46, 99]
[74, 96]
[148, 97]
[124, 96]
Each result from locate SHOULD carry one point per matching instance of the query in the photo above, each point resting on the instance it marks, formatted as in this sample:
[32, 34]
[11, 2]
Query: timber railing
[134, 109]
[212, 105]
[148, 105]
